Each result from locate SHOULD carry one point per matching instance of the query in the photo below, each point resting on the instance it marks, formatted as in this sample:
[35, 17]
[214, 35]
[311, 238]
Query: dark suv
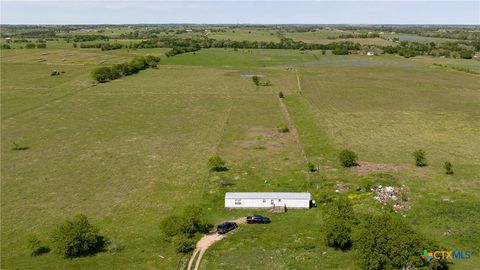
[226, 227]
[258, 219]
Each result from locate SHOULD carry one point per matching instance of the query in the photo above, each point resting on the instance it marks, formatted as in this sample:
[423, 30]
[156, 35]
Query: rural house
[268, 199]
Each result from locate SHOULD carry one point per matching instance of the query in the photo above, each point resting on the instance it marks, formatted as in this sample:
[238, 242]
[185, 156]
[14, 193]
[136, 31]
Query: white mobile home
[268, 199]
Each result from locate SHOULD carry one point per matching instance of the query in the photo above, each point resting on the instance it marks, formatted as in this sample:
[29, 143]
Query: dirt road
[205, 242]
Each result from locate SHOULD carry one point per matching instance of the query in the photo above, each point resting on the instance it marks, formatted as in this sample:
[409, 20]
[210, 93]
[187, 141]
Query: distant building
[189, 30]
[268, 200]
[370, 53]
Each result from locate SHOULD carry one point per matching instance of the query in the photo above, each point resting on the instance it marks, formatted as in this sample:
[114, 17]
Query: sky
[239, 12]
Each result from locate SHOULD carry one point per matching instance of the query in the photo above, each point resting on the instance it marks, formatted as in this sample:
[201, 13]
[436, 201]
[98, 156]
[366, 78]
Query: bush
[280, 94]
[256, 80]
[18, 147]
[340, 51]
[338, 224]
[266, 83]
[183, 244]
[386, 242]
[448, 167]
[216, 163]
[34, 246]
[420, 159]
[311, 167]
[189, 222]
[283, 128]
[102, 74]
[180, 228]
[348, 158]
[77, 237]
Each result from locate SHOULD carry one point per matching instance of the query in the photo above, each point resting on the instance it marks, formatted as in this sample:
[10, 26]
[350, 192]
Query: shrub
[386, 242]
[340, 51]
[102, 74]
[420, 159]
[338, 224]
[216, 163]
[448, 167]
[348, 158]
[18, 147]
[283, 128]
[183, 244]
[180, 228]
[77, 237]
[266, 83]
[34, 246]
[311, 167]
[256, 80]
[280, 94]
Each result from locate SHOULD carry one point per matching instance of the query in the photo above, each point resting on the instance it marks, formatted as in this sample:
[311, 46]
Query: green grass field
[129, 152]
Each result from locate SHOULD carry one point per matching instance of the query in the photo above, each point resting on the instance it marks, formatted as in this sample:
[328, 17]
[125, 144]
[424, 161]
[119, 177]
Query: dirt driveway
[205, 242]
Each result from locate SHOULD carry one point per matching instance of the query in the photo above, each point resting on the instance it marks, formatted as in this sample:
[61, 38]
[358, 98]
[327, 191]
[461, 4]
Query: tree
[102, 74]
[256, 80]
[216, 163]
[77, 237]
[420, 160]
[280, 94]
[448, 167]
[386, 242]
[348, 158]
[338, 224]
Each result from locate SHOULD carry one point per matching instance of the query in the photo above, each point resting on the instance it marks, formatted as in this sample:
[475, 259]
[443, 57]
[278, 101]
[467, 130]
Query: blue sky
[229, 11]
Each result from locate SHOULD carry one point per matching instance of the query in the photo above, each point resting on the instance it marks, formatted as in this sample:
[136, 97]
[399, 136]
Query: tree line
[448, 49]
[285, 43]
[105, 74]
[102, 46]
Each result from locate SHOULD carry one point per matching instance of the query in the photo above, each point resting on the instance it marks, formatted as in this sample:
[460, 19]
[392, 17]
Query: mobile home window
[238, 201]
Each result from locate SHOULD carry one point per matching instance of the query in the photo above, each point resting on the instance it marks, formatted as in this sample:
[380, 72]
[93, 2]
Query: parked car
[258, 219]
[226, 227]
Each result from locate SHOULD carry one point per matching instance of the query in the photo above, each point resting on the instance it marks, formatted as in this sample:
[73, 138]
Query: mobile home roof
[268, 195]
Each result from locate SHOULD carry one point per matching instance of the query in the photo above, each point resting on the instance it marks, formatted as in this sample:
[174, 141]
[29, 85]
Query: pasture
[129, 152]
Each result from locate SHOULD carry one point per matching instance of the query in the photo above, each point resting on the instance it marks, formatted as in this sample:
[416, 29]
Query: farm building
[268, 199]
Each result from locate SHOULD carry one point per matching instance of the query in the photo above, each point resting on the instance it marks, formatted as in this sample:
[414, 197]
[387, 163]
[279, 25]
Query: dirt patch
[259, 133]
[341, 188]
[263, 139]
[365, 167]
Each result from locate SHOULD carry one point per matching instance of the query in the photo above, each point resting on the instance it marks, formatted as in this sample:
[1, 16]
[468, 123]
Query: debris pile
[389, 194]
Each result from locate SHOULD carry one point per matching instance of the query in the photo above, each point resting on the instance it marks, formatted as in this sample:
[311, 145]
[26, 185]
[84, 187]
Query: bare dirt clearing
[364, 167]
